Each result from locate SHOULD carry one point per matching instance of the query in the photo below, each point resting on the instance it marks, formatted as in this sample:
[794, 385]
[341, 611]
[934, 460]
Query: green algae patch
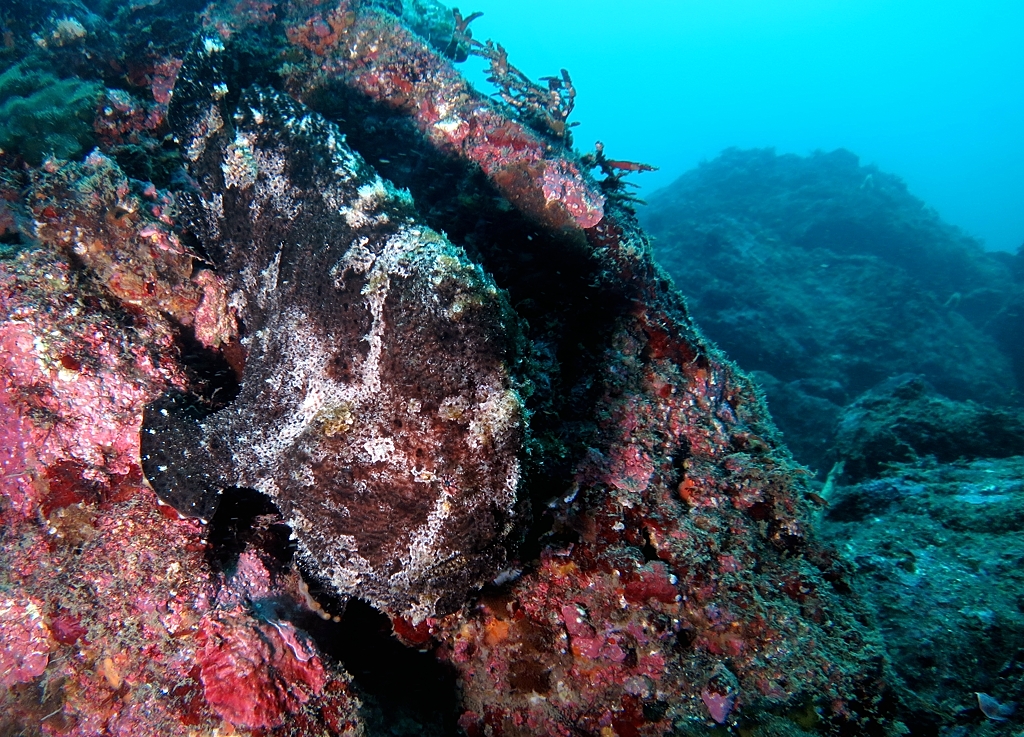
[42, 115]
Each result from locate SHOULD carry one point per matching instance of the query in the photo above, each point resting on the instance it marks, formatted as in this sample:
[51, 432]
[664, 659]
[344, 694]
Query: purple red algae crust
[682, 589]
[369, 52]
[113, 622]
[682, 599]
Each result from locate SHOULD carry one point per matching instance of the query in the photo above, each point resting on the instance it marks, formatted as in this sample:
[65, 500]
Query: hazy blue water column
[931, 91]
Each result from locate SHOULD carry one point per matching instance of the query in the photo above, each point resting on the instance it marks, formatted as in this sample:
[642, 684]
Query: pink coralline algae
[563, 184]
[254, 676]
[25, 642]
[719, 705]
[136, 253]
[368, 50]
[111, 612]
[162, 79]
[85, 390]
[16, 455]
[719, 695]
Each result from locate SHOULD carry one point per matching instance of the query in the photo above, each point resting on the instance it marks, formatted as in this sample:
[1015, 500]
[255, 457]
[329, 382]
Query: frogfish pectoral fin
[177, 457]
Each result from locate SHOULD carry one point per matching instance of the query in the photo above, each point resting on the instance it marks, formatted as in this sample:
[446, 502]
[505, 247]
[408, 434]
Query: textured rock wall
[285, 320]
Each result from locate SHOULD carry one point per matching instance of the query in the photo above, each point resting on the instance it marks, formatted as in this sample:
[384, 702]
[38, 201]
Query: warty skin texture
[377, 407]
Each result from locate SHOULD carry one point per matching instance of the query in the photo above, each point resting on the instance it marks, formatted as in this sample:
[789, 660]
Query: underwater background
[349, 387]
[930, 91]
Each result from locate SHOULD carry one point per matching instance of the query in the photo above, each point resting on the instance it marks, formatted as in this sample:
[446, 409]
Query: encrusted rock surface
[112, 621]
[939, 546]
[416, 430]
[905, 419]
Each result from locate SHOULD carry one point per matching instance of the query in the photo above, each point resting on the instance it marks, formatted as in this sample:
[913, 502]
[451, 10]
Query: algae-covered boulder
[827, 277]
[936, 547]
[904, 419]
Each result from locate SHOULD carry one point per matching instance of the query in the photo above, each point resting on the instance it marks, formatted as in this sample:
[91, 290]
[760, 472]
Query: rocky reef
[825, 277]
[888, 345]
[943, 562]
[338, 398]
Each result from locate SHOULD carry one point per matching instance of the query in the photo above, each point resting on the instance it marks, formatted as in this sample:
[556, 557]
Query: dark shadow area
[11, 243]
[404, 691]
[212, 379]
[11, 238]
[246, 517]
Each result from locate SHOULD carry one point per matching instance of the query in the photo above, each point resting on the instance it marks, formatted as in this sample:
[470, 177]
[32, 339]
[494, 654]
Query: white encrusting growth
[240, 167]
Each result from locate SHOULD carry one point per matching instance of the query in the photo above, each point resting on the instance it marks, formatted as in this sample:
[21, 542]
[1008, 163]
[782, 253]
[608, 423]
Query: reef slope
[655, 572]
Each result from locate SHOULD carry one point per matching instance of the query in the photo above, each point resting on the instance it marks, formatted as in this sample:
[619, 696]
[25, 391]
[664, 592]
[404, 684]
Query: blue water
[931, 91]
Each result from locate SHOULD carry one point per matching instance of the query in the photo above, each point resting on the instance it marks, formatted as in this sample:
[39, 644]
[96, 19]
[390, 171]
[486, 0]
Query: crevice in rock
[246, 517]
[404, 691]
[212, 380]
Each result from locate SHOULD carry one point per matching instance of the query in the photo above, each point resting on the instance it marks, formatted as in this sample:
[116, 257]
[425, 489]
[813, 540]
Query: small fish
[994, 710]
